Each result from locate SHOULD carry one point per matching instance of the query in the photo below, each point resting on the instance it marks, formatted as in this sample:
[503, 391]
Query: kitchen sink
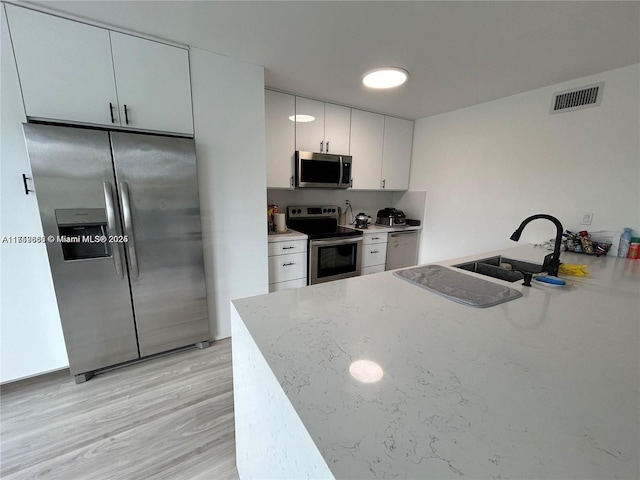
[491, 268]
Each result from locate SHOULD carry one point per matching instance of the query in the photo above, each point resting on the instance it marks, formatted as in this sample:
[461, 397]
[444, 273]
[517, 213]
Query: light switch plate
[587, 218]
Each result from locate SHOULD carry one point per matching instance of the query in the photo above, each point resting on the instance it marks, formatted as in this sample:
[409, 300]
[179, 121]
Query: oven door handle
[339, 241]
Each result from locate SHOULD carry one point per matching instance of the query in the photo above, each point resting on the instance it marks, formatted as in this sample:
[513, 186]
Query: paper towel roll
[281, 225]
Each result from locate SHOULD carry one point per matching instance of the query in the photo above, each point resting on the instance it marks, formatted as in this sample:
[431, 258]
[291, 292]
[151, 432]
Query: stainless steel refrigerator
[142, 291]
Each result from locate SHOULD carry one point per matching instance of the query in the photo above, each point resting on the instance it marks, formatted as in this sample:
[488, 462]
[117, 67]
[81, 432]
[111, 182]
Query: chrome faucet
[551, 261]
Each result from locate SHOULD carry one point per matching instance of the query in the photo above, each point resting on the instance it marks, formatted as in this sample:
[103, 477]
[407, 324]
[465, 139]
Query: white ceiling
[458, 53]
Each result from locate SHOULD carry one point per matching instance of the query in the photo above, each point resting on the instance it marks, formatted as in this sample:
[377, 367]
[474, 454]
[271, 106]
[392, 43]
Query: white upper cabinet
[65, 68]
[381, 150]
[367, 131]
[73, 72]
[328, 132]
[337, 125]
[309, 125]
[280, 134]
[380, 145]
[153, 84]
[396, 153]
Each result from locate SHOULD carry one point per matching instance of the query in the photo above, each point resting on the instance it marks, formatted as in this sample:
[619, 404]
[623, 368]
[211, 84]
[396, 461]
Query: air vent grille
[576, 99]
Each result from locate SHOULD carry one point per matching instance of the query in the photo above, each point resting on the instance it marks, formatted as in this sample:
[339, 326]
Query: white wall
[361, 201]
[31, 339]
[228, 109]
[369, 202]
[487, 167]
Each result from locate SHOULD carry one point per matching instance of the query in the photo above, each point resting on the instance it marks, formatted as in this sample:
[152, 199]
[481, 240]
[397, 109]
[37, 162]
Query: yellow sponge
[573, 269]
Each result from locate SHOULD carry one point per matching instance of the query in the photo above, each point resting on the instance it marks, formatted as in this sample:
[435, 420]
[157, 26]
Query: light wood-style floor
[170, 417]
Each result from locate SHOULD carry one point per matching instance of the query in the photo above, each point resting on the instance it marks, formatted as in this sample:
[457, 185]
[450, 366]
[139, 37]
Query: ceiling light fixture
[302, 118]
[385, 77]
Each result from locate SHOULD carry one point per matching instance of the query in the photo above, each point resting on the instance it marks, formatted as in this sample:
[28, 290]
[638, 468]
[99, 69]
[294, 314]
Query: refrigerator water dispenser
[83, 233]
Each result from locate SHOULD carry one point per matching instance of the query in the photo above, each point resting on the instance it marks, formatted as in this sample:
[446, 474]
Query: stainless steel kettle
[362, 220]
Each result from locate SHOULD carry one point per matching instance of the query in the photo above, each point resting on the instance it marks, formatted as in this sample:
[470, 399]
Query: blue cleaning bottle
[625, 241]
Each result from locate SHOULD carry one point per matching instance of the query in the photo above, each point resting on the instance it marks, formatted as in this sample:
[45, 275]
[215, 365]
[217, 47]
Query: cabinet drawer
[277, 287]
[283, 268]
[372, 269]
[283, 248]
[374, 254]
[371, 238]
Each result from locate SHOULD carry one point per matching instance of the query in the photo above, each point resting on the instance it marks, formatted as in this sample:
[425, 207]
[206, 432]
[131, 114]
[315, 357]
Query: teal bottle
[625, 241]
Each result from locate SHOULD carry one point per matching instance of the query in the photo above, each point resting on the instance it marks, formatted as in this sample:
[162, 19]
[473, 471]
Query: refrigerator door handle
[128, 227]
[111, 225]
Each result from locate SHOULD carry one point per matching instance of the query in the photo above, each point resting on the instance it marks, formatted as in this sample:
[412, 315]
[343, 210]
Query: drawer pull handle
[288, 264]
[375, 238]
[287, 248]
[374, 251]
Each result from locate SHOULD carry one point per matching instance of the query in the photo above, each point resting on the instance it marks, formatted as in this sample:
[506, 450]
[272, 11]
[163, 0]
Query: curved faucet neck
[552, 262]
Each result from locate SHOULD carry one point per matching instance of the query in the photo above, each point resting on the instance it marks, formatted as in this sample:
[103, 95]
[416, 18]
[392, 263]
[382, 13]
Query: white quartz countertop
[544, 386]
[379, 228]
[288, 236]
[291, 235]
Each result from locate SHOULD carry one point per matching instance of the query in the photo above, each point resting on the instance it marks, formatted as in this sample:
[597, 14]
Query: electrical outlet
[587, 218]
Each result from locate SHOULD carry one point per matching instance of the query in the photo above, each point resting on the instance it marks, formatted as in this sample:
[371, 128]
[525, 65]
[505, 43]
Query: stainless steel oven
[334, 251]
[334, 258]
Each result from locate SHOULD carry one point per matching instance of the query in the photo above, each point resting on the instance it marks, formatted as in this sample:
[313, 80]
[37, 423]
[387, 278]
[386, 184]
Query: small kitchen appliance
[362, 220]
[322, 170]
[390, 217]
[333, 251]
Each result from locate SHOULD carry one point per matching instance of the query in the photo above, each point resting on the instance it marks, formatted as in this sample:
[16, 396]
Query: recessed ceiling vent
[575, 99]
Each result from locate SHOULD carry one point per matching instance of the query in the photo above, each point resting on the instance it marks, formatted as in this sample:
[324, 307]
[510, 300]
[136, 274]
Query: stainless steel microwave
[322, 170]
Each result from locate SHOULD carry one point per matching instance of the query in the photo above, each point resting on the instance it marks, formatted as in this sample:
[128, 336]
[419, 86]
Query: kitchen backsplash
[412, 203]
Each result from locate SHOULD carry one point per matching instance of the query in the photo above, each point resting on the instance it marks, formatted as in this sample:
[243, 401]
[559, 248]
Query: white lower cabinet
[374, 252]
[276, 287]
[287, 265]
[373, 269]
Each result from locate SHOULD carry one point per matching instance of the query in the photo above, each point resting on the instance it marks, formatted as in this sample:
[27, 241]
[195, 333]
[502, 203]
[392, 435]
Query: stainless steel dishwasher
[402, 249]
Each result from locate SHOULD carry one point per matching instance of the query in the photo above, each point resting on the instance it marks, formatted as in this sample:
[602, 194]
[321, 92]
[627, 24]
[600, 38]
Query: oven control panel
[315, 211]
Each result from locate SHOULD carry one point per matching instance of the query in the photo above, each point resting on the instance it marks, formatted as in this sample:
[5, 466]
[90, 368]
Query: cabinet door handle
[111, 227]
[287, 264]
[327, 146]
[126, 115]
[351, 183]
[291, 181]
[26, 185]
[383, 182]
[287, 248]
[321, 145]
[113, 119]
[128, 227]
